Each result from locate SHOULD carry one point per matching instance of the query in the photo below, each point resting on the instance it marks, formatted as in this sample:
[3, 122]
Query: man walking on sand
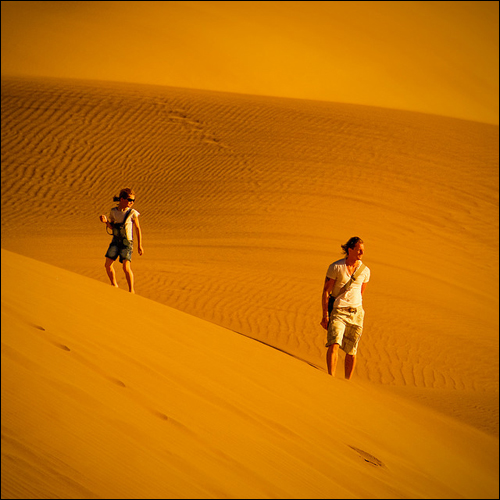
[122, 221]
[342, 304]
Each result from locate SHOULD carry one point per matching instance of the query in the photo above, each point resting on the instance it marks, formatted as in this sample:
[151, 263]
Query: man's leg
[350, 363]
[129, 275]
[332, 356]
[110, 271]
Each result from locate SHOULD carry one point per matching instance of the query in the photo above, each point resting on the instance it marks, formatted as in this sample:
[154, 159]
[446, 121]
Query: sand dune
[165, 405]
[244, 203]
[431, 57]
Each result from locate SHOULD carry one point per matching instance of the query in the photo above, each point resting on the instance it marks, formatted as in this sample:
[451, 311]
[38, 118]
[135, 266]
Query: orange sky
[434, 57]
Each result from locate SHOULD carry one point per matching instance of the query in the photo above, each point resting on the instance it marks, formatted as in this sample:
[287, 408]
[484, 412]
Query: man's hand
[324, 322]
[327, 290]
[103, 218]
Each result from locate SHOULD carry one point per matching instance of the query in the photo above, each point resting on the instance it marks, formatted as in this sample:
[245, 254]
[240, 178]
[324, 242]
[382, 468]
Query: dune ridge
[245, 201]
[433, 57]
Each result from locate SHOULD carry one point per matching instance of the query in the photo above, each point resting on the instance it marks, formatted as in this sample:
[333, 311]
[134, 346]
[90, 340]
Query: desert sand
[433, 57]
[211, 380]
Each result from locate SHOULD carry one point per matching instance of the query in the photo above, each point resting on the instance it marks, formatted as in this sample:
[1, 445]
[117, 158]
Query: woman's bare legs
[110, 271]
[129, 275]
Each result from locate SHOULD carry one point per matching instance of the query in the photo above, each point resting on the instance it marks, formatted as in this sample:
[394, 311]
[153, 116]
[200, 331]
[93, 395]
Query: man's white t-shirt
[351, 297]
[116, 215]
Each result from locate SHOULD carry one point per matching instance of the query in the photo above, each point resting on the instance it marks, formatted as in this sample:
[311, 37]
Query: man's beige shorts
[345, 328]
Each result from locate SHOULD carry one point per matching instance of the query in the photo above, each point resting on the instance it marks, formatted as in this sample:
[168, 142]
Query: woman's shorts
[345, 328]
[117, 249]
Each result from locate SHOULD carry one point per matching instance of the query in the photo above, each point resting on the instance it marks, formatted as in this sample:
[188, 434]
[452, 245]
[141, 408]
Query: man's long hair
[351, 244]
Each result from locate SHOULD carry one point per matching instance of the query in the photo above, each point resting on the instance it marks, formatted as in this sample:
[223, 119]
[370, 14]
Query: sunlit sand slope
[150, 402]
[244, 203]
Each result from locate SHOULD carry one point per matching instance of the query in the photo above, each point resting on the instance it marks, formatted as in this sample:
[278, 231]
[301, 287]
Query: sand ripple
[245, 201]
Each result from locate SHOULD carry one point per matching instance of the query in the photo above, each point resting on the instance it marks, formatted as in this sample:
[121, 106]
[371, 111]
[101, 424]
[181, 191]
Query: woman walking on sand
[122, 220]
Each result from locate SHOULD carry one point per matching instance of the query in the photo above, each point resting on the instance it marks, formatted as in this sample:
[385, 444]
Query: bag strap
[353, 278]
[121, 223]
[127, 216]
[129, 211]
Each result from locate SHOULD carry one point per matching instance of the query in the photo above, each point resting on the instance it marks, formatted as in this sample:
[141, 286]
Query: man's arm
[327, 289]
[363, 286]
[138, 232]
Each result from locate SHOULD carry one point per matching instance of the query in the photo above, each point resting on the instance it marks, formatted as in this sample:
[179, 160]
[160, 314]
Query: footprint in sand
[367, 457]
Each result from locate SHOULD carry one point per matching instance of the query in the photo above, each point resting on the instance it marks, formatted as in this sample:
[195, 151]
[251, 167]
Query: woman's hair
[124, 193]
[351, 244]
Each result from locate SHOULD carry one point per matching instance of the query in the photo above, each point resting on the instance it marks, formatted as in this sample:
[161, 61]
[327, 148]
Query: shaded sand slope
[151, 402]
[244, 203]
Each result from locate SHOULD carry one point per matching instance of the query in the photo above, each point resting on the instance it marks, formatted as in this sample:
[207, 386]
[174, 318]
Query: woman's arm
[104, 219]
[138, 232]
